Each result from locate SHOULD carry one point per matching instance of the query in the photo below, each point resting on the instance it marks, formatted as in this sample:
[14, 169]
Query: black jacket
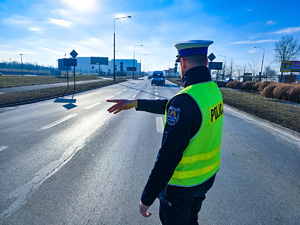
[181, 126]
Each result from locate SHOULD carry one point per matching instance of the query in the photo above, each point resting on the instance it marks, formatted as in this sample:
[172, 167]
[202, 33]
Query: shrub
[281, 91]
[263, 85]
[248, 85]
[268, 90]
[234, 84]
[294, 93]
[256, 86]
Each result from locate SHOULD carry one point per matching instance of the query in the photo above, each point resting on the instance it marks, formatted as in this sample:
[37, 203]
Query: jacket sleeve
[152, 106]
[183, 122]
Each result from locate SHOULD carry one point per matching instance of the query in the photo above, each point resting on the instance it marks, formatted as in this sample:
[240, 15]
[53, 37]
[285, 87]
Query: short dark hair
[196, 60]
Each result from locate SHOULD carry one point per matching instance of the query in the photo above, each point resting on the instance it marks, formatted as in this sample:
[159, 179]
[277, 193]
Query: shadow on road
[70, 102]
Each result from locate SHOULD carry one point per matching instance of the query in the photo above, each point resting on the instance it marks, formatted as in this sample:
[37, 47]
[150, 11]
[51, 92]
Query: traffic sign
[211, 57]
[74, 54]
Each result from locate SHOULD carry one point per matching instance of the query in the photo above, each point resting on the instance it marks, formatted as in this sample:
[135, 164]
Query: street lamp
[114, 69]
[262, 62]
[223, 67]
[21, 64]
[134, 59]
[10, 66]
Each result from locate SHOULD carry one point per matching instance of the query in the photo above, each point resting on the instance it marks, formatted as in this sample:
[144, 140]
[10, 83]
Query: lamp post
[262, 62]
[21, 63]
[10, 66]
[114, 68]
[134, 59]
[224, 67]
[141, 63]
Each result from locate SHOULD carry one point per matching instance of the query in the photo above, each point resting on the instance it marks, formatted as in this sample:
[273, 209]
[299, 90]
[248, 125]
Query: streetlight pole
[21, 64]
[262, 62]
[114, 68]
[10, 66]
[224, 66]
[134, 59]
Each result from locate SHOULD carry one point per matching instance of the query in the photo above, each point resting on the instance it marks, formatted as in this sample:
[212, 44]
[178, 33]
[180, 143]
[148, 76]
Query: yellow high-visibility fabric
[201, 158]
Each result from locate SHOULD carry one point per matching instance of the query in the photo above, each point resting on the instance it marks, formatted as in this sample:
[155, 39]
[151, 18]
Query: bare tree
[253, 68]
[269, 72]
[230, 68]
[238, 69]
[286, 49]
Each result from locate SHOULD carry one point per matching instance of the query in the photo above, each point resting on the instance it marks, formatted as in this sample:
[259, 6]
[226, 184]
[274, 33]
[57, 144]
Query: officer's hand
[121, 104]
[143, 210]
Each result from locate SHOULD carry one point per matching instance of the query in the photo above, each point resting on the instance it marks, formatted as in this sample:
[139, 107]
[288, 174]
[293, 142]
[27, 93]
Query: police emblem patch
[173, 115]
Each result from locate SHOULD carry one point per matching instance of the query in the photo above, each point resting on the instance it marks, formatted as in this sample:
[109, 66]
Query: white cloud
[63, 23]
[254, 42]
[270, 22]
[35, 29]
[252, 51]
[17, 20]
[288, 30]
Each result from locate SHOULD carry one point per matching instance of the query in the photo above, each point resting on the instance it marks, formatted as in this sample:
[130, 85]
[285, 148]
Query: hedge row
[288, 92]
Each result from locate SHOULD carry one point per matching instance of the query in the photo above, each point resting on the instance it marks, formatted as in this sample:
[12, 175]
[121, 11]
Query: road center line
[159, 125]
[58, 122]
[3, 147]
[91, 106]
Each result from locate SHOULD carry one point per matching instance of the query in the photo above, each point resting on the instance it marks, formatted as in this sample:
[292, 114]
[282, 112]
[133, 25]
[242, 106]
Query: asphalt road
[68, 161]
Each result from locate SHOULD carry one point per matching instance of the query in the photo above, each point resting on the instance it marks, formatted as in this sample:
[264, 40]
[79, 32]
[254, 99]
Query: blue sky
[44, 30]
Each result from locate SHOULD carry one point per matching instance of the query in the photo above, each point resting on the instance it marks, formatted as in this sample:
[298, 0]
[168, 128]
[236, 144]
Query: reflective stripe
[200, 156]
[197, 172]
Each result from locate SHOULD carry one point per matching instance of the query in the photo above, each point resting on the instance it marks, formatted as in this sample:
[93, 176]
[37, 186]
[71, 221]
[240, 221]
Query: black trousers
[181, 205]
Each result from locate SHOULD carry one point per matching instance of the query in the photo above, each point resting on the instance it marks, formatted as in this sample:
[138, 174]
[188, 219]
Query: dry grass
[16, 81]
[36, 95]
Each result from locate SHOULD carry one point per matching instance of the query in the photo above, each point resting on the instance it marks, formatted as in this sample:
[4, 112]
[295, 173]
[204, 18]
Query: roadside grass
[16, 81]
[36, 95]
[284, 113]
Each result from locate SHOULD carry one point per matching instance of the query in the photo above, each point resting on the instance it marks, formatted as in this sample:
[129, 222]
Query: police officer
[189, 157]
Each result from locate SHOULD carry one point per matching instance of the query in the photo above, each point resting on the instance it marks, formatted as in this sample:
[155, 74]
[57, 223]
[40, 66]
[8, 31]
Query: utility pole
[21, 63]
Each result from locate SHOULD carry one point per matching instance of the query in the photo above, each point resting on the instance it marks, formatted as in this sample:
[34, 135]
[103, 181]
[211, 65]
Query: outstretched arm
[121, 104]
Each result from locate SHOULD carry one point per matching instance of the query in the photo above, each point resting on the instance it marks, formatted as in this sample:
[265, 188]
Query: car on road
[158, 77]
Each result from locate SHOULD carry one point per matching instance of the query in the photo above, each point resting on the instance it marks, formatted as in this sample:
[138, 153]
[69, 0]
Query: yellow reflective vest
[201, 158]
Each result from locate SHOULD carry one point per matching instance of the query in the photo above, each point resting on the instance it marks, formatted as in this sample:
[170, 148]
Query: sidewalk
[44, 86]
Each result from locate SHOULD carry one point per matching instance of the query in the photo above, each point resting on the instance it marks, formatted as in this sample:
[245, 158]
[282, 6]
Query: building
[123, 66]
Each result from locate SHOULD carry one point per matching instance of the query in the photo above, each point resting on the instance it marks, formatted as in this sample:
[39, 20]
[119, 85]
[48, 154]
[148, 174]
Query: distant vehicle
[158, 77]
[0, 74]
[149, 77]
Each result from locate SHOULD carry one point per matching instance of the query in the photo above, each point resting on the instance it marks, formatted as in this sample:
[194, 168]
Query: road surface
[68, 161]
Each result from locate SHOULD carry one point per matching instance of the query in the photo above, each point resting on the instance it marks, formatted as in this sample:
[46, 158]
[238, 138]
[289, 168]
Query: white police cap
[192, 47]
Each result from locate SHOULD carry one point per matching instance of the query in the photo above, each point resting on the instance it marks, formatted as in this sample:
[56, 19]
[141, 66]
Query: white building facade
[123, 66]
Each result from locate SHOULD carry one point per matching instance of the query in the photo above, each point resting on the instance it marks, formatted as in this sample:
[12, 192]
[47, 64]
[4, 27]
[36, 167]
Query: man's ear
[183, 63]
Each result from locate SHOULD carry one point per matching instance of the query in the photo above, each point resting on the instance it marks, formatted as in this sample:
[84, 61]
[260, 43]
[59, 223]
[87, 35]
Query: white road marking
[58, 122]
[159, 125]
[156, 93]
[91, 106]
[119, 92]
[125, 89]
[109, 97]
[135, 95]
[3, 147]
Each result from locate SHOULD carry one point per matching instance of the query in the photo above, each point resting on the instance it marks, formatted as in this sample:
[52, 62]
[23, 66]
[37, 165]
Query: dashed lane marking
[159, 125]
[91, 106]
[58, 122]
[3, 147]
